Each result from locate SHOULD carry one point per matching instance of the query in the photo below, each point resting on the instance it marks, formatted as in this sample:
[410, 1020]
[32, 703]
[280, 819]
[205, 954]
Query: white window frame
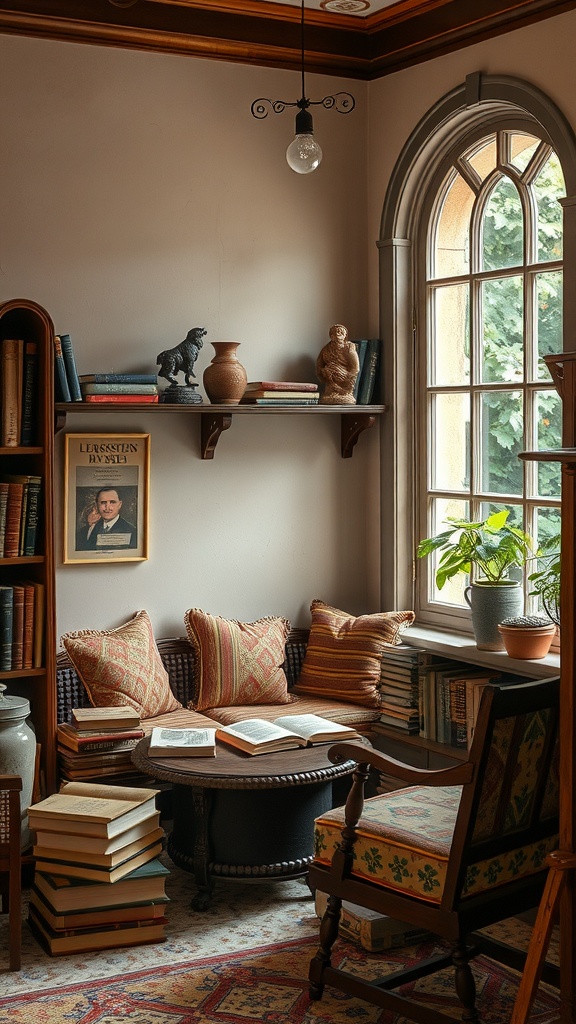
[481, 105]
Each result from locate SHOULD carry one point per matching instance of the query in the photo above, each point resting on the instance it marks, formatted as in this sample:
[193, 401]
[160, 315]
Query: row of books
[280, 392]
[19, 514]
[18, 393]
[98, 882]
[424, 695]
[21, 625]
[98, 742]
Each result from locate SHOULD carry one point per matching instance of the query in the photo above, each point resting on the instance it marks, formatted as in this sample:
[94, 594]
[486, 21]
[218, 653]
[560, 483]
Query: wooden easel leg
[559, 863]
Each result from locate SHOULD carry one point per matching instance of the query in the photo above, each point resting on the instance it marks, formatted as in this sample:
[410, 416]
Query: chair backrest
[507, 821]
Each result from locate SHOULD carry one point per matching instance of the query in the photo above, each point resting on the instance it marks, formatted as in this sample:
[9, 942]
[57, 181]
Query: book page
[182, 738]
[258, 730]
[311, 725]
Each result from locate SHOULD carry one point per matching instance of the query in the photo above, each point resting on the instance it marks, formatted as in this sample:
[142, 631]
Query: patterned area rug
[265, 985]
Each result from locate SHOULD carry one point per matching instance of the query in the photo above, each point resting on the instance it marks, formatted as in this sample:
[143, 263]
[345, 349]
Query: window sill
[464, 648]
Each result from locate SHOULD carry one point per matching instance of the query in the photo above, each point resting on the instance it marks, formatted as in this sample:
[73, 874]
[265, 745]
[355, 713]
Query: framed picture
[106, 483]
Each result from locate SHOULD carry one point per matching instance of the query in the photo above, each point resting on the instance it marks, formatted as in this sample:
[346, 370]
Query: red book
[13, 517]
[121, 399]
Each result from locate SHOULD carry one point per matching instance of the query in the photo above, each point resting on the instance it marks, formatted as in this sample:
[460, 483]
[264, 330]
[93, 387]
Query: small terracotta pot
[527, 643]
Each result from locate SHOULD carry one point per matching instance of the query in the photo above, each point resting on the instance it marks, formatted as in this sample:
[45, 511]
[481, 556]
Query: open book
[182, 742]
[257, 736]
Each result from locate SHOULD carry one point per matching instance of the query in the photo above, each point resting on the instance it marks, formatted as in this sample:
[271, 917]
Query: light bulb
[304, 154]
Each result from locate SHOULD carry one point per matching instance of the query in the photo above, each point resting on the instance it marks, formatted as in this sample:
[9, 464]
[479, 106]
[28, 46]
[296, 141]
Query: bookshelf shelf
[215, 419]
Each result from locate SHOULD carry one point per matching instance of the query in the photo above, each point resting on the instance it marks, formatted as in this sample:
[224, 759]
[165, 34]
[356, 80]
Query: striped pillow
[343, 655]
[239, 662]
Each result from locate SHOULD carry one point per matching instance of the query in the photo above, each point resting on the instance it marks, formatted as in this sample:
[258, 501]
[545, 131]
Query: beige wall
[139, 198]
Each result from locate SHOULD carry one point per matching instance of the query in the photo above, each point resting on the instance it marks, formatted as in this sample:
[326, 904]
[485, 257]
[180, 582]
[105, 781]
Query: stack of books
[98, 742]
[98, 882]
[18, 393]
[66, 380]
[399, 688]
[451, 698]
[280, 392]
[119, 388]
[19, 513]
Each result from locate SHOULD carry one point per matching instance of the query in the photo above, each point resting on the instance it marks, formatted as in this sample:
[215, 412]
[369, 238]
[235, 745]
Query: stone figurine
[181, 358]
[337, 368]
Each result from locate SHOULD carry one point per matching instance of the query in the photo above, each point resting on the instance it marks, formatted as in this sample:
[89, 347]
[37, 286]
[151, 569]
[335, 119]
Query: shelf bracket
[212, 426]
[350, 430]
[59, 421]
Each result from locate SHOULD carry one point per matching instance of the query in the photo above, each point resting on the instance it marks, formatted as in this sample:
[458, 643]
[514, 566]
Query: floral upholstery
[404, 838]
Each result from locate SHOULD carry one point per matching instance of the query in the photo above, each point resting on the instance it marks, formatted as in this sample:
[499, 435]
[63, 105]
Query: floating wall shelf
[215, 419]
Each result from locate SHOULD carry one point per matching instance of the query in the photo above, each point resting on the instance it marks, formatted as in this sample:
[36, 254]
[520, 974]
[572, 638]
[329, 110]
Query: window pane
[452, 248]
[549, 435]
[502, 228]
[453, 591]
[450, 430]
[501, 439]
[450, 355]
[503, 330]
[522, 149]
[549, 317]
[548, 188]
[484, 159]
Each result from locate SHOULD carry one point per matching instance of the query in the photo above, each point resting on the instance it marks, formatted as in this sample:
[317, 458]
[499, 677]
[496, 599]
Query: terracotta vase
[225, 378]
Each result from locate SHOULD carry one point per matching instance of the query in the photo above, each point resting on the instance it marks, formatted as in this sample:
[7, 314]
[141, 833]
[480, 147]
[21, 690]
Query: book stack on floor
[98, 882]
[120, 388]
[373, 931]
[18, 393]
[399, 688]
[280, 392]
[98, 742]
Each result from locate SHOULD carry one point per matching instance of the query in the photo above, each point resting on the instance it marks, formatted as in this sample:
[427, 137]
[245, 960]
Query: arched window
[477, 213]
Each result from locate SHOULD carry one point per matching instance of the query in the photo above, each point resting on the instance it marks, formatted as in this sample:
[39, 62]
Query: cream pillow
[238, 662]
[122, 666]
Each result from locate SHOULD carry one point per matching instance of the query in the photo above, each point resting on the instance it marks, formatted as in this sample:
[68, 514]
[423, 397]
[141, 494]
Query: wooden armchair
[458, 850]
[10, 860]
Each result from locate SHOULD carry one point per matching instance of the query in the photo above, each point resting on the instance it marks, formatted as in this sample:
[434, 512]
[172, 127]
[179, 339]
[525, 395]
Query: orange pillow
[238, 662]
[122, 666]
[344, 653]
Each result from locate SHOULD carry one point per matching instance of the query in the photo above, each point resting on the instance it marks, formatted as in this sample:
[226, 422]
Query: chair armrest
[457, 775]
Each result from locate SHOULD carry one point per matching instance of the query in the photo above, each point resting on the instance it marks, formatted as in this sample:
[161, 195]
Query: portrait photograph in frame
[106, 485]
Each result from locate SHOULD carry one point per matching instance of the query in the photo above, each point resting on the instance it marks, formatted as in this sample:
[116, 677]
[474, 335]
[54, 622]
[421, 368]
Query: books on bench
[257, 736]
[182, 742]
[105, 718]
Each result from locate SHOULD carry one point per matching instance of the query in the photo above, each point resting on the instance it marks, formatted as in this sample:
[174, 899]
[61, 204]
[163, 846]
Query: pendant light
[304, 154]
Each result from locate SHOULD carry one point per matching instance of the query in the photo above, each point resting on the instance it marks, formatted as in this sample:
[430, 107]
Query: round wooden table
[244, 817]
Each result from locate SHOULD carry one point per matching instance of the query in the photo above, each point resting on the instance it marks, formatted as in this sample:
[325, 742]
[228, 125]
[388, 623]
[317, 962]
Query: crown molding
[268, 34]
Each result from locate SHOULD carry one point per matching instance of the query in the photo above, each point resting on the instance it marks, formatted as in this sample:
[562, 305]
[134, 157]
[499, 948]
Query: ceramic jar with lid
[18, 751]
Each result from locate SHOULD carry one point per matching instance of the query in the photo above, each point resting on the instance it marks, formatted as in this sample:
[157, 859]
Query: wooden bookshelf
[22, 318]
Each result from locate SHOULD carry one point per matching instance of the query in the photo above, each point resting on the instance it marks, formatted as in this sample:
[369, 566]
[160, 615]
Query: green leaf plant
[487, 549]
[546, 580]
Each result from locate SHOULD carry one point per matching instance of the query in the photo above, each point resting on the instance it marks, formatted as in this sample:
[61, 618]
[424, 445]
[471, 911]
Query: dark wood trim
[268, 34]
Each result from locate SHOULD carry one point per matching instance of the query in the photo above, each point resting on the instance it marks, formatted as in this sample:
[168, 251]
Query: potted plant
[527, 636]
[485, 551]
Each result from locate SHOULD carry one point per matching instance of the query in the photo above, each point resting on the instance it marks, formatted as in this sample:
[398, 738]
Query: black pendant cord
[302, 50]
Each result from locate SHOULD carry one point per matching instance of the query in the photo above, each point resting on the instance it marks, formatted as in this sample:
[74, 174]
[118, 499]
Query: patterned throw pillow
[239, 662]
[122, 666]
[343, 656]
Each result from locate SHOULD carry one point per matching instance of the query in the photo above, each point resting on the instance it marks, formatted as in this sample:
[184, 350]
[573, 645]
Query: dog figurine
[182, 357]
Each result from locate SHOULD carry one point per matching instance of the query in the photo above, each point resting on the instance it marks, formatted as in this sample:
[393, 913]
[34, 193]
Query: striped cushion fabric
[342, 660]
[238, 662]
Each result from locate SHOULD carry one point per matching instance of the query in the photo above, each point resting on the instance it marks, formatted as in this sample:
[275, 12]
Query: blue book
[118, 378]
[70, 364]
[370, 370]
[6, 622]
[60, 379]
